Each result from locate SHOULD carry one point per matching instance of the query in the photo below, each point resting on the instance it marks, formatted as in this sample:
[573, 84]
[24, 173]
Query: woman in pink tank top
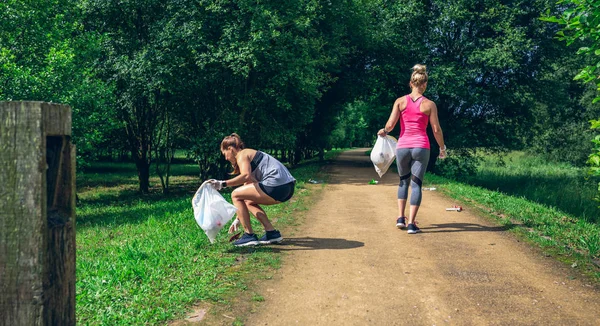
[415, 112]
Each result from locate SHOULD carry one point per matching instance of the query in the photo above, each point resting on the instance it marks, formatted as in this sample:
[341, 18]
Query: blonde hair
[234, 140]
[419, 76]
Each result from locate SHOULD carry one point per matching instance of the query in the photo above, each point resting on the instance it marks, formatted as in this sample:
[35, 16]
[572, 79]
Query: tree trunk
[143, 167]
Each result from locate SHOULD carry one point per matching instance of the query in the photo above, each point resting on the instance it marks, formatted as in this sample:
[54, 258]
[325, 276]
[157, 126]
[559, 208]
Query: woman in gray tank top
[263, 180]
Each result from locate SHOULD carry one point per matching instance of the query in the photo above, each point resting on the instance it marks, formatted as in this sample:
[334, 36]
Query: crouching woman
[263, 180]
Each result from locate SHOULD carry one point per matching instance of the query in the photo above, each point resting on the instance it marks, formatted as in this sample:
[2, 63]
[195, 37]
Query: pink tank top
[413, 125]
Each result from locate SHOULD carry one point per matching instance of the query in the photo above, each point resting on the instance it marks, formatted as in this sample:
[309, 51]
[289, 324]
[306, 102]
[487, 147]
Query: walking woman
[414, 111]
[263, 180]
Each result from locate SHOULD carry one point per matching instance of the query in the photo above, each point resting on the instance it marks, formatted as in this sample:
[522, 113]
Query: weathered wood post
[37, 214]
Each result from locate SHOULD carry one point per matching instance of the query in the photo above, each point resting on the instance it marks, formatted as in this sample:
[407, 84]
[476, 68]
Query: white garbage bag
[211, 210]
[383, 154]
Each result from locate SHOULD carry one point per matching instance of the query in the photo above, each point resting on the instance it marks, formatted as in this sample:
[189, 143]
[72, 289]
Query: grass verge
[572, 240]
[559, 185]
[142, 259]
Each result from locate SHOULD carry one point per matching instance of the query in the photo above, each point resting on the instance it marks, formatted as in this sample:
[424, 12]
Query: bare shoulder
[247, 154]
[400, 103]
[427, 106]
[429, 103]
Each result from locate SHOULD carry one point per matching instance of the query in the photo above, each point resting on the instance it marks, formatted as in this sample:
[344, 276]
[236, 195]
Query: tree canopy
[298, 77]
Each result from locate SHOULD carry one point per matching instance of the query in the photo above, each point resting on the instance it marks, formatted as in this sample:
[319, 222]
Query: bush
[568, 143]
[458, 165]
[594, 158]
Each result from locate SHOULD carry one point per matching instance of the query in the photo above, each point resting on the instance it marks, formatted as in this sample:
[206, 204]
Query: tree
[261, 69]
[135, 59]
[581, 22]
[44, 56]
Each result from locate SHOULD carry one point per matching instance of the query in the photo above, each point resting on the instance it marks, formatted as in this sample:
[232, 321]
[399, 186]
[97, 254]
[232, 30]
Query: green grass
[572, 239]
[142, 259]
[565, 187]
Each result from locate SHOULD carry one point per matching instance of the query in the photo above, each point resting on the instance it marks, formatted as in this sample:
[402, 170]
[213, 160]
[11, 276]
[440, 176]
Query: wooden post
[37, 214]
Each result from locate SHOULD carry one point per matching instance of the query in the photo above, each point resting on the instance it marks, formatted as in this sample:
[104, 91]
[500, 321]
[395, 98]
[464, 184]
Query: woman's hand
[217, 184]
[443, 153]
[234, 226]
[381, 132]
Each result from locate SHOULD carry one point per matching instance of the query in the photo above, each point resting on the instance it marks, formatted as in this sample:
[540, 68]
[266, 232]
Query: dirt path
[349, 265]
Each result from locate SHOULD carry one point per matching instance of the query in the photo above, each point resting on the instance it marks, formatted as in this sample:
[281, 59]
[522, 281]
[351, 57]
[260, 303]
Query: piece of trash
[314, 181]
[235, 236]
[429, 188]
[373, 182]
[455, 208]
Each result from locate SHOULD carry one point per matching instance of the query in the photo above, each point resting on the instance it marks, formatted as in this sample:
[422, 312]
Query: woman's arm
[437, 130]
[243, 162]
[394, 115]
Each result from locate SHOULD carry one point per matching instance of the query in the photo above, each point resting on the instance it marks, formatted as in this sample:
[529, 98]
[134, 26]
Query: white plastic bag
[383, 153]
[211, 210]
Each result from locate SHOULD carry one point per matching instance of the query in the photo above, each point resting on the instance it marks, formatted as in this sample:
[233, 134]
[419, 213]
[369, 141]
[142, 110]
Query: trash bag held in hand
[383, 153]
[211, 210]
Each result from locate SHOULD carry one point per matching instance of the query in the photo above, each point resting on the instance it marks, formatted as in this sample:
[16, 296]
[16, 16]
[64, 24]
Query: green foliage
[581, 22]
[352, 129]
[44, 56]
[568, 143]
[258, 69]
[296, 77]
[594, 158]
[559, 131]
[591, 242]
[458, 165]
[136, 60]
[536, 179]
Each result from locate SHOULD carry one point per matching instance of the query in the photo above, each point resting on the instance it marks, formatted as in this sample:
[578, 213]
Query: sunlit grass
[559, 185]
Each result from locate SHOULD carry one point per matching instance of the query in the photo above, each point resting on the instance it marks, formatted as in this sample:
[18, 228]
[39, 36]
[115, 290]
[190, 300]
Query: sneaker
[401, 222]
[413, 228]
[271, 237]
[246, 240]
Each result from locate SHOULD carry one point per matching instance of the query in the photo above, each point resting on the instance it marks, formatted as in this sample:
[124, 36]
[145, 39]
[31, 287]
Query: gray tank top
[269, 171]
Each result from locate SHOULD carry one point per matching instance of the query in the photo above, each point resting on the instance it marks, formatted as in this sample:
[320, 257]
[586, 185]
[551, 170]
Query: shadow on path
[306, 243]
[466, 227]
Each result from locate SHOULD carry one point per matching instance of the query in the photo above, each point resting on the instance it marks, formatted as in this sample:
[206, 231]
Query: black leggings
[281, 193]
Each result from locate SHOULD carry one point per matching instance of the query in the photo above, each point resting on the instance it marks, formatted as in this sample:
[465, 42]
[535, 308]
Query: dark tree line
[146, 77]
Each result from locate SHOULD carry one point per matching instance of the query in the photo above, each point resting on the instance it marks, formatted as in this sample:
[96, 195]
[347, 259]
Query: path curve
[349, 265]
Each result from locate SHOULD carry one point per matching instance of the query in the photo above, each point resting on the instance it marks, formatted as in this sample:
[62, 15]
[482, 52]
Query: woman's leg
[403, 158]
[252, 193]
[260, 215]
[420, 158]
[401, 207]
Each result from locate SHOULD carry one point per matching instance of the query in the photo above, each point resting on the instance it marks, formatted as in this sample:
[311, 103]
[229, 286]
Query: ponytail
[419, 76]
[234, 140]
